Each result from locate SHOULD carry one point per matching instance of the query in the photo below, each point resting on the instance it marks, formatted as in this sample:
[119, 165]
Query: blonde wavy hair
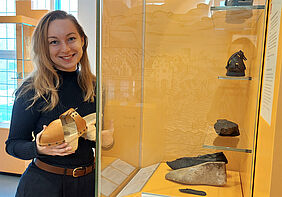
[44, 79]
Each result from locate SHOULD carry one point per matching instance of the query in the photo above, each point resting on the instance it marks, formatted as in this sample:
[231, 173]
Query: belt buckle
[76, 169]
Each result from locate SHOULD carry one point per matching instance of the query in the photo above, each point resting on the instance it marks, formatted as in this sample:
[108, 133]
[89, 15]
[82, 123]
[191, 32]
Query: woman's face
[65, 44]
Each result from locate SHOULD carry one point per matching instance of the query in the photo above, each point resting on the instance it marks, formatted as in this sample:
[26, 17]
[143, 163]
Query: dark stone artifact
[192, 191]
[238, 2]
[192, 161]
[209, 173]
[235, 65]
[225, 127]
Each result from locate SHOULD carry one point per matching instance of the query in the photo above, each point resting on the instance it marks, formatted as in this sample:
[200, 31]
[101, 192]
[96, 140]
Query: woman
[61, 80]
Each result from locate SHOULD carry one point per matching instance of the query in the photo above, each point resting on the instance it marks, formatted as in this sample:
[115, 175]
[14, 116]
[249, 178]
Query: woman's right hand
[60, 150]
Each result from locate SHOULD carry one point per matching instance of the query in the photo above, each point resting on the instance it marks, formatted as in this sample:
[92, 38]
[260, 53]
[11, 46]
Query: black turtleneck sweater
[20, 143]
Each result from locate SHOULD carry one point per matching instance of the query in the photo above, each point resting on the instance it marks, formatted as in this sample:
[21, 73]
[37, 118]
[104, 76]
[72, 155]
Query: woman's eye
[72, 38]
[53, 42]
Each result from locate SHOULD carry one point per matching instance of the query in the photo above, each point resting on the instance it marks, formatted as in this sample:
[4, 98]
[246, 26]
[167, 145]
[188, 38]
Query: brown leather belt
[76, 172]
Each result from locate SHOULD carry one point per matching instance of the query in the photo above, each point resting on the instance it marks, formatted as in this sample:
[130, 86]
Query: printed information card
[270, 60]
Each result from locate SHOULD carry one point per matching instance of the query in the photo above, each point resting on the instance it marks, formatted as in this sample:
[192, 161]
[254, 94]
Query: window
[8, 63]
[70, 6]
[7, 8]
[40, 4]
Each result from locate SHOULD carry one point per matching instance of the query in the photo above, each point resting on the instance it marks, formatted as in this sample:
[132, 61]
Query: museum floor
[8, 185]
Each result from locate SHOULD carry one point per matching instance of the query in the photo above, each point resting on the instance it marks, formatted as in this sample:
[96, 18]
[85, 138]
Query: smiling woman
[65, 45]
[61, 80]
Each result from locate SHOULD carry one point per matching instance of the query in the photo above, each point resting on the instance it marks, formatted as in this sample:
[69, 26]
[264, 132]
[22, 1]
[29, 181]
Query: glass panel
[3, 7]
[122, 85]
[11, 31]
[3, 87]
[3, 64]
[3, 111]
[9, 114]
[3, 77]
[3, 44]
[74, 14]
[34, 4]
[73, 5]
[11, 6]
[234, 78]
[65, 5]
[40, 5]
[12, 65]
[3, 100]
[11, 44]
[2, 31]
[237, 7]
[11, 91]
[12, 76]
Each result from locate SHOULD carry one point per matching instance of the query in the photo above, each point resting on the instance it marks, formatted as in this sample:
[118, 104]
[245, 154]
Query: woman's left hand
[60, 150]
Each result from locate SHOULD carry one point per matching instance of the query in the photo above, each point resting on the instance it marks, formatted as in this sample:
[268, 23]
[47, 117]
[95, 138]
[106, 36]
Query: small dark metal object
[185, 162]
[235, 65]
[238, 2]
[192, 191]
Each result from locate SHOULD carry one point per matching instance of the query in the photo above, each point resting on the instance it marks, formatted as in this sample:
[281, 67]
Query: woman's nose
[65, 46]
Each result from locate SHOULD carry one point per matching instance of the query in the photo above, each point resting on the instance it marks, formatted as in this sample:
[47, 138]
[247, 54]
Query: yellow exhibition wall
[165, 99]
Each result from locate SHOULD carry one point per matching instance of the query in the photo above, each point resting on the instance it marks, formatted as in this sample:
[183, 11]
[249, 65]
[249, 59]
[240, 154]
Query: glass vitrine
[165, 85]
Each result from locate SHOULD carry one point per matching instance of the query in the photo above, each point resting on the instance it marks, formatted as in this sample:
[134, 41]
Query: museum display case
[169, 72]
[15, 64]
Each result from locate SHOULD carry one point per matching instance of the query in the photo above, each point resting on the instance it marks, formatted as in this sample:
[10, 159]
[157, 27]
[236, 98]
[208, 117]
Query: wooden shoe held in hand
[68, 128]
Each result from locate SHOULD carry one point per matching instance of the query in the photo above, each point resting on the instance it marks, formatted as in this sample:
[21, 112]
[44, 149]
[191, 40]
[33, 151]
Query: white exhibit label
[270, 60]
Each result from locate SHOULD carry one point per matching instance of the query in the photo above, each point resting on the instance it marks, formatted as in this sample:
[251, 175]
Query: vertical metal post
[142, 82]
[98, 97]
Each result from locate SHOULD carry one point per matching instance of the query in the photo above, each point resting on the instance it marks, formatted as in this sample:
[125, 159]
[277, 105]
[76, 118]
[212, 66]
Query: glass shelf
[236, 18]
[254, 7]
[234, 143]
[234, 78]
